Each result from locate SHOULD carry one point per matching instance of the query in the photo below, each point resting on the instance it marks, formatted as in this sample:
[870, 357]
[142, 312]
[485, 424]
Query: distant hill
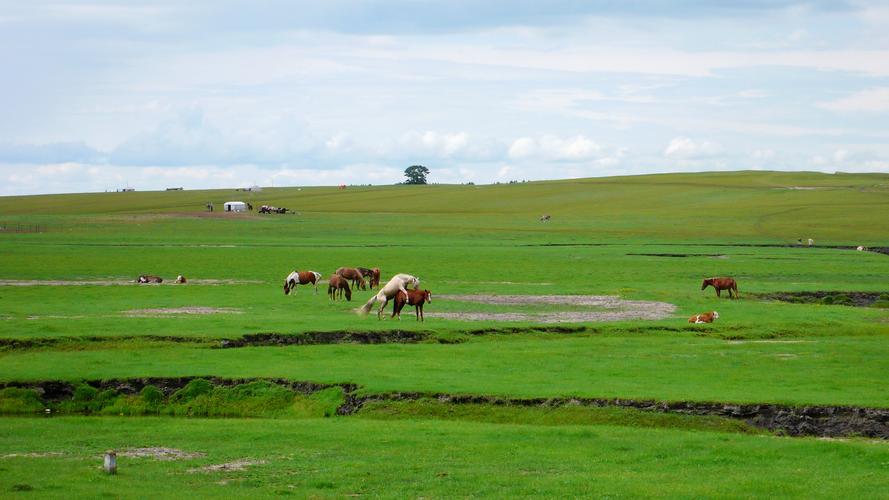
[790, 204]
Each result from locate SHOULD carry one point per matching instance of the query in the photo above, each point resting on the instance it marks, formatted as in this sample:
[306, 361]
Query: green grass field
[67, 313]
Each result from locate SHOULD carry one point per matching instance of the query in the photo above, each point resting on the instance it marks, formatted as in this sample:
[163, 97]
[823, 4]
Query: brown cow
[337, 283]
[721, 284]
[707, 317]
[415, 298]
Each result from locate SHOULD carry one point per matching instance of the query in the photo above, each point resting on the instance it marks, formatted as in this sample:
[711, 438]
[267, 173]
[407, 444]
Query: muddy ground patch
[603, 308]
[838, 298]
[173, 311]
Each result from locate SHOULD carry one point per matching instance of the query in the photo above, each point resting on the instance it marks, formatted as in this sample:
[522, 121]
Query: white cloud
[442, 145]
[684, 148]
[551, 147]
[870, 101]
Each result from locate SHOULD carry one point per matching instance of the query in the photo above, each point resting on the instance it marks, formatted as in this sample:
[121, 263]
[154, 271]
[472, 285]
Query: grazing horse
[354, 275]
[398, 284]
[181, 279]
[301, 278]
[721, 284]
[707, 317]
[147, 278]
[372, 275]
[337, 283]
[545, 218]
[414, 298]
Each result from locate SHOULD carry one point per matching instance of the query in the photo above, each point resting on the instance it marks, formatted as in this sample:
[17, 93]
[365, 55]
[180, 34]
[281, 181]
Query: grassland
[648, 238]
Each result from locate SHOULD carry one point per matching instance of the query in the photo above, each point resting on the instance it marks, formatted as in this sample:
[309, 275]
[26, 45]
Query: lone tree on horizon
[416, 174]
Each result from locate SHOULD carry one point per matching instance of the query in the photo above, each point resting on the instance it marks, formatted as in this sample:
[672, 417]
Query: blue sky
[97, 95]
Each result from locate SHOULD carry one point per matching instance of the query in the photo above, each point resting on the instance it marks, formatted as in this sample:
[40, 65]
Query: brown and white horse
[181, 280]
[354, 275]
[414, 298]
[301, 278]
[721, 284]
[338, 284]
[707, 317]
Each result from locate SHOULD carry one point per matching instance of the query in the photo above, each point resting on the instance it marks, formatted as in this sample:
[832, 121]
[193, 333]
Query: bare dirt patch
[159, 453]
[237, 465]
[33, 454]
[616, 309]
[162, 312]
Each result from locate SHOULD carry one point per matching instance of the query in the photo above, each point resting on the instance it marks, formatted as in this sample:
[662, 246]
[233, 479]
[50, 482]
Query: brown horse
[354, 275]
[301, 278]
[414, 298]
[147, 278]
[721, 284]
[372, 275]
[337, 283]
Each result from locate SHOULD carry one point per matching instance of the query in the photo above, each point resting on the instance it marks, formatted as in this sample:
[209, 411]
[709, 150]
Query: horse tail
[367, 306]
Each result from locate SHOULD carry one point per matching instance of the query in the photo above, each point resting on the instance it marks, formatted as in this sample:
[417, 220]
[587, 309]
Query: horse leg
[718, 292]
[382, 306]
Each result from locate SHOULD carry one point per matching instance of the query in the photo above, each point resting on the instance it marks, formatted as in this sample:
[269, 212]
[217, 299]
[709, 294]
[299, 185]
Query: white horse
[301, 278]
[398, 284]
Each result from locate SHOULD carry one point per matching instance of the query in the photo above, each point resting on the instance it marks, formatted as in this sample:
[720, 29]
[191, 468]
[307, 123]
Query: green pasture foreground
[352, 456]
[797, 371]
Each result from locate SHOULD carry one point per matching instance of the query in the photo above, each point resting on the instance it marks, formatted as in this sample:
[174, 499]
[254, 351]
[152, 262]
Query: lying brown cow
[707, 317]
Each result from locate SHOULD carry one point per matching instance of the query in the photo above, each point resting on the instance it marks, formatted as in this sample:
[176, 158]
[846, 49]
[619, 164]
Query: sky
[100, 95]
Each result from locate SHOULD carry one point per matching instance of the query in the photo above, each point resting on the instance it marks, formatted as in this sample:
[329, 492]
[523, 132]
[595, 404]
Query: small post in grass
[110, 462]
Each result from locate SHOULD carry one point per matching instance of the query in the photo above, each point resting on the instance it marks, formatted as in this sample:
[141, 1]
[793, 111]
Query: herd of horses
[148, 278]
[402, 289]
[269, 209]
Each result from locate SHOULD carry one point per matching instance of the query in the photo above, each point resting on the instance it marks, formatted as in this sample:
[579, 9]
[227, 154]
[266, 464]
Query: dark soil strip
[828, 421]
[857, 299]
[678, 255]
[274, 339]
[337, 337]
[56, 390]
[50, 342]
[882, 250]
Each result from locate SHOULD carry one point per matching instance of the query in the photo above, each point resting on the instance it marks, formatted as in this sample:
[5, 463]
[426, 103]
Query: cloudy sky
[98, 95]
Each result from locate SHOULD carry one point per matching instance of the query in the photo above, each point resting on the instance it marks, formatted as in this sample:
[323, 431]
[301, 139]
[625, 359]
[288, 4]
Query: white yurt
[235, 206]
